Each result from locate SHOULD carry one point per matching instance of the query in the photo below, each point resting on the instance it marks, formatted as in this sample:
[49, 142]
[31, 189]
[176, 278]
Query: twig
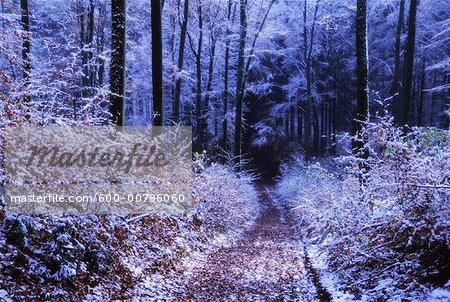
[135, 218]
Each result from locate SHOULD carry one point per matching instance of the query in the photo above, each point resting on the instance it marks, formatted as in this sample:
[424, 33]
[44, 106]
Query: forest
[320, 137]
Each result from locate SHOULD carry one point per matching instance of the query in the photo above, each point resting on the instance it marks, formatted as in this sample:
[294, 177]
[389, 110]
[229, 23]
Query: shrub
[392, 226]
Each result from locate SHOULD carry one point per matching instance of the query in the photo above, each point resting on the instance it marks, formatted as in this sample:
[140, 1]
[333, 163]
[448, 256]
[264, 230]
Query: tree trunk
[239, 81]
[316, 130]
[157, 64]
[447, 103]
[100, 45]
[307, 51]
[13, 74]
[225, 89]
[323, 128]
[397, 69]
[334, 137]
[434, 96]
[420, 112]
[252, 50]
[299, 122]
[81, 12]
[90, 39]
[308, 86]
[86, 39]
[199, 110]
[243, 78]
[330, 125]
[176, 102]
[212, 56]
[173, 25]
[406, 92]
[292, 116]
[117, 72]
[26, 44]
[362, 69]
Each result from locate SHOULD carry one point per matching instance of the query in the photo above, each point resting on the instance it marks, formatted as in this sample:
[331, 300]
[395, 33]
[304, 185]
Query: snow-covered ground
[386, 238]
[98, 258]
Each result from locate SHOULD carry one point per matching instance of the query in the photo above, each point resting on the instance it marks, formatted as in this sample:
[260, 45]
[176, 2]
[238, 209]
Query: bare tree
[405, 97]
[26, 44]
[362, 71]
[239, 81]
[396, 85]
[117, 72]
[157, 64]
[176, 101]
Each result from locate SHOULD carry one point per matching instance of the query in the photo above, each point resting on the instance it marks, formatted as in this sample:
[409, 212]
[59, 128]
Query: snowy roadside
[98, 258]
[332, 283]
[387, 241]
[229, 207]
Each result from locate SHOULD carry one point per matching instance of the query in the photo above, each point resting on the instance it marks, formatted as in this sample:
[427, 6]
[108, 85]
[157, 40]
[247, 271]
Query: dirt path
[265, 264]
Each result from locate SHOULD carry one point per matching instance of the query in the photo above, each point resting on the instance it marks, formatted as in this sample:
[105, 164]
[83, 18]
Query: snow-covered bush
[63, 251]
[391, 230]
[50, 256]
[225, 200]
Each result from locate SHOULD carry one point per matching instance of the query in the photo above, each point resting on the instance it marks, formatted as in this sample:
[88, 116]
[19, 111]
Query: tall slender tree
[212, 56]
[176, 101]
[447, 103]
[157, 64]
[117, 71]
[420, 111]
[242, 75]
[226, 77]
[26, 43]
[198, 56]
[307, 54]
[397, 69]
[86, 19]
[405, 96]
[239, 80]
[362, 71]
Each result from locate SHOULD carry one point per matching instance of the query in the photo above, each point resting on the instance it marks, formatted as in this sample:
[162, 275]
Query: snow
[4, 296]
[440, 294]
[376, 241]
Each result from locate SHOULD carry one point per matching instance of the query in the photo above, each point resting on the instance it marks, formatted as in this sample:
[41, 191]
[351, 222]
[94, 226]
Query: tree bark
[397, 69]
[252, 50]
[334, 126]
[118, 72]
[226, 76]
[101, 45]
[86, 39]
[239, 81]
[307, 52]
[198, 56]
[292, 117]
[447, 103]
[323, 128]
[157, 64]
[212, 55]
[406, 92]
[316, 130]
[299, 122]
[90, 39]
[26, 44]
[362, 70]
[176, 103]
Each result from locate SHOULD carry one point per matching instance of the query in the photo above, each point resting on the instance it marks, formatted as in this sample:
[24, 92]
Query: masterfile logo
[103, 169]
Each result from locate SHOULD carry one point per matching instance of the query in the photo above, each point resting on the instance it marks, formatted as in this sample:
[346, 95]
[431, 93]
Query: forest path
[266, 263]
